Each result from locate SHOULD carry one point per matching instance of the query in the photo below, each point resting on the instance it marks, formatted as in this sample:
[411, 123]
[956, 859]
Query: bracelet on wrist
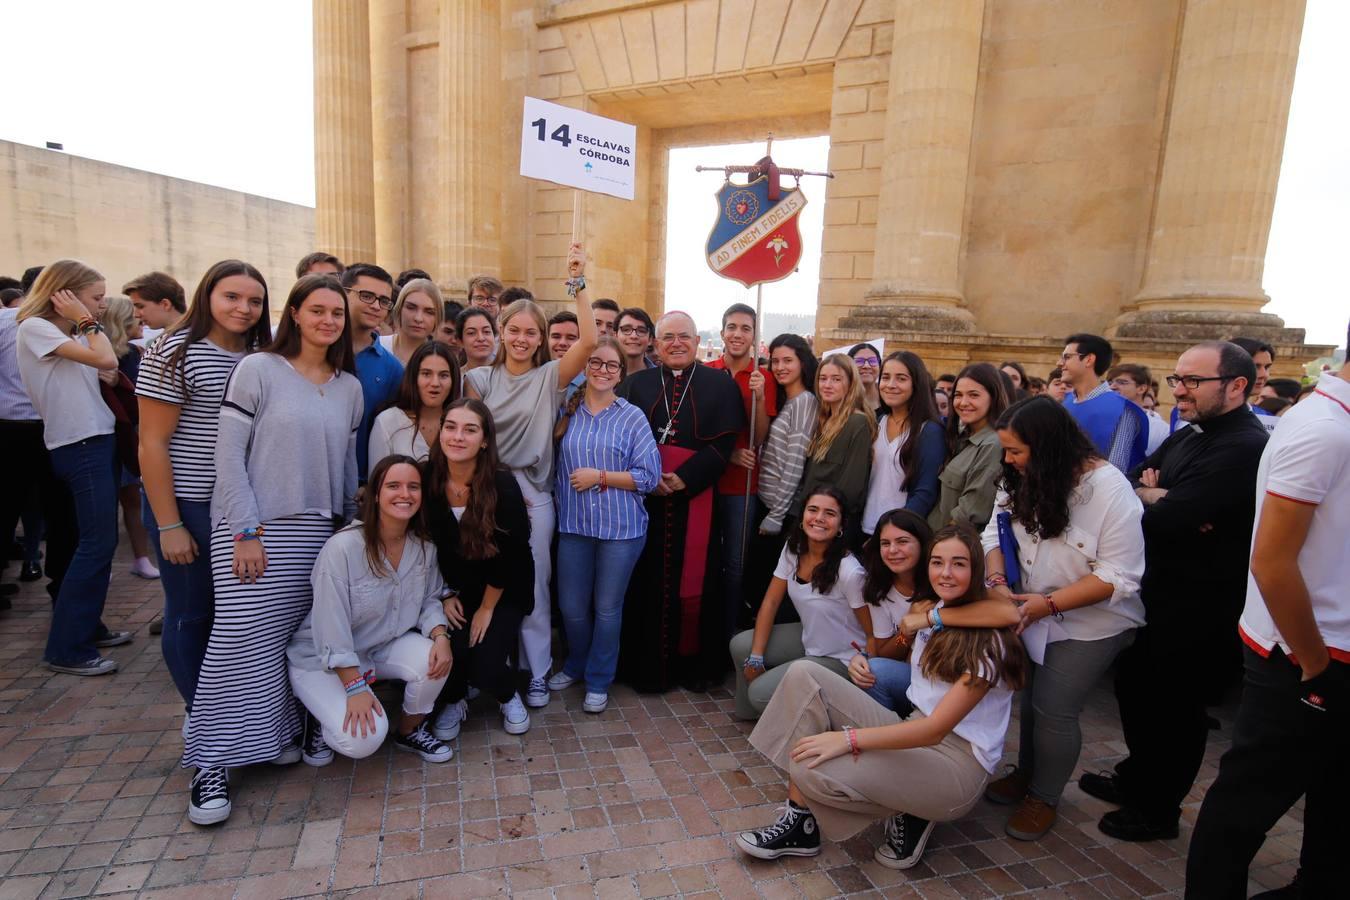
[935, 619]
[851, 734]
[178, 524]
[1054, 610]
[249, 534]
[575, 285]
[754, 661]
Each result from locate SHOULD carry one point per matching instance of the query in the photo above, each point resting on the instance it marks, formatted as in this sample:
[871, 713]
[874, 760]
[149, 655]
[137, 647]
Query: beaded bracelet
[852, 734]
[178, 524]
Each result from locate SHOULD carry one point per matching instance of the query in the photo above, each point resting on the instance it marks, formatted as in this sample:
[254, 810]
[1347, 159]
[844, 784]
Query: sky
[222, 93]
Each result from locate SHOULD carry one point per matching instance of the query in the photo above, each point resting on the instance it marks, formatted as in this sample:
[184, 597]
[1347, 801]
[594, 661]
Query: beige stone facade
[125, 222]
[1006, 171]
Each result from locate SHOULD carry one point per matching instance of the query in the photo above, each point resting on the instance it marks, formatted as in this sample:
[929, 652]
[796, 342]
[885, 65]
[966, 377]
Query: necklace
[457, 492]
[670, 417]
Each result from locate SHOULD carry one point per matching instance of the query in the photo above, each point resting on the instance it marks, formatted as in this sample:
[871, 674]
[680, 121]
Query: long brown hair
[989, 378]
[831, 419]
[409, 398]
[370, 512]
[287, 341]
[478, 525]
[993, 655]
[198, 321]
[922, 410]
[574, 402]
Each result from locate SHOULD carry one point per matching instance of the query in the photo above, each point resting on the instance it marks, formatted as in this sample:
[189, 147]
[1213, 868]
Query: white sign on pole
[877, 344]
[577, 149]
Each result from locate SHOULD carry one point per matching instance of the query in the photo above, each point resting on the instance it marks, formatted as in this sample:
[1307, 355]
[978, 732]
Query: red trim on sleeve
[1332, 399]
[1252, 642]
[1292, 499]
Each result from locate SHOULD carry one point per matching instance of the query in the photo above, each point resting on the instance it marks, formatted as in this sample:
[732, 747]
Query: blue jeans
[88, 468]
[892, 683]
[734, 523]
[189, 596]
[592, 579]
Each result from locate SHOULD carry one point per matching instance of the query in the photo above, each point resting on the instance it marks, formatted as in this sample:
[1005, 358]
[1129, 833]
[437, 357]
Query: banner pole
[578, 217]
[749, 501]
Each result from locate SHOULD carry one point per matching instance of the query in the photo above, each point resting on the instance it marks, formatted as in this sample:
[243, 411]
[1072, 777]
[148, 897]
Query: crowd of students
[329, 506]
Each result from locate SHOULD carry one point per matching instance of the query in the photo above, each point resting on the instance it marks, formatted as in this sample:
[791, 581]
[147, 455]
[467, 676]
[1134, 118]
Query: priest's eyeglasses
[1194, 381]
[596, 364]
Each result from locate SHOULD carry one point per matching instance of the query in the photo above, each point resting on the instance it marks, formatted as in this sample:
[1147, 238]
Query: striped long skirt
[243, 711]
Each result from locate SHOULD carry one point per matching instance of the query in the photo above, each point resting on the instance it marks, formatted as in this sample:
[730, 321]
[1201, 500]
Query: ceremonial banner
[756, 239]
[577, 149]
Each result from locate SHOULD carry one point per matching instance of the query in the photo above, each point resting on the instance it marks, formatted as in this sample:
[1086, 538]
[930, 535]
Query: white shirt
[984, 726]
[886, 484]
[1103, 538]
[1307, 460]
[828, 623]
[393, 432]
[887, 614]
[1158, 431]
[64, 392]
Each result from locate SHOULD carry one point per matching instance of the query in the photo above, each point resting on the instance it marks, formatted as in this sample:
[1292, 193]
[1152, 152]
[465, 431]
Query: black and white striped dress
[286, 459]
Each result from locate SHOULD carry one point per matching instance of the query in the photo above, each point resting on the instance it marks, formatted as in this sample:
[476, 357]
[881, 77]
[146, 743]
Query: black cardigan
[512, 569]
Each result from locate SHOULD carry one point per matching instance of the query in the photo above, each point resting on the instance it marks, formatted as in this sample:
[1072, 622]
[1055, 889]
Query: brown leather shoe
[1031, 820]
[1009, 789]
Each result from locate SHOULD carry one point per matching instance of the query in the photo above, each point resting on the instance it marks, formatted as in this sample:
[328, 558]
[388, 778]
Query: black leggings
[489, 664]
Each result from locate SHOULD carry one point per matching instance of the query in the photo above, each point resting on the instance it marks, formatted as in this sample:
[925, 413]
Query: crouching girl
[377, 614]
[930, 767]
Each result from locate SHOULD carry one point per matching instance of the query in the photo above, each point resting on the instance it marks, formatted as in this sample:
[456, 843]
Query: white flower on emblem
[778, 244]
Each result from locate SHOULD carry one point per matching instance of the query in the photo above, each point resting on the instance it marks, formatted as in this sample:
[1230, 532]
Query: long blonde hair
[62, 275]
[529, 307]
[117, 320]
[420, 286]
[831, 419]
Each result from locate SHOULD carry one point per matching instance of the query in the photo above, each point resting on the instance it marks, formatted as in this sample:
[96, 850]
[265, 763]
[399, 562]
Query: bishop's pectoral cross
[666, 433]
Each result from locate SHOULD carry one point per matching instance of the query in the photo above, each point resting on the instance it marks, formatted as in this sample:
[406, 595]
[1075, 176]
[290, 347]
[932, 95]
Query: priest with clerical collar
[673, 620]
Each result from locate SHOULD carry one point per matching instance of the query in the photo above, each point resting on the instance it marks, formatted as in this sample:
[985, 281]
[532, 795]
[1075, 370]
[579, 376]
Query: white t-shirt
[1158, 431]
[1307, 460]
[64, 392]
[393, 432]
[887, 614]
[886, 484]
[984, 726]
[828, 623]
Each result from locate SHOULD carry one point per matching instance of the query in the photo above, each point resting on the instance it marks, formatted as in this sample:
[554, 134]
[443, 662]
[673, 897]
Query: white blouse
[393, 432]
[1103, 538]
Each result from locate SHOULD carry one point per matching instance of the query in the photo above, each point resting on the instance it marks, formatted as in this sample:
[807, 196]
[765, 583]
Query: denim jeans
[733, 524]
[592, 580]
[88, 468]
[892, 684]
[189, 596]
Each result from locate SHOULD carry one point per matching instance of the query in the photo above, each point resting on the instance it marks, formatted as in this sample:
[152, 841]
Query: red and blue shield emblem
[756, 239]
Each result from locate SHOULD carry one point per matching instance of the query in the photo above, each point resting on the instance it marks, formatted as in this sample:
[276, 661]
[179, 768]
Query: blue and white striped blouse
[619, 439]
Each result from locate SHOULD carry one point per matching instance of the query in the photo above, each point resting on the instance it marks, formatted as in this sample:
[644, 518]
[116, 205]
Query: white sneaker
[595, 702]
[515, 720]
[144, 568]
[537, 695]
[288, 757]
[446, 726]
[560, 681]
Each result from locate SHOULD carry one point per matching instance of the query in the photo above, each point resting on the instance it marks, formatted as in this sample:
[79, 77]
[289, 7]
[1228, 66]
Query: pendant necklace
[666, 432]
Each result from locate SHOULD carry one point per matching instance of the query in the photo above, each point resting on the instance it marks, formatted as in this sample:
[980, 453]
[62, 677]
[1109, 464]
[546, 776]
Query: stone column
[389, 126]
[344, 216]
[471, 152]
[1206, 252]
[935, 66]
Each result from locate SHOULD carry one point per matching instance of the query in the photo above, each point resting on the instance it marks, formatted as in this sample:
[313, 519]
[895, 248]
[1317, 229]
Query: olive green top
[969, 481]
[847, 466]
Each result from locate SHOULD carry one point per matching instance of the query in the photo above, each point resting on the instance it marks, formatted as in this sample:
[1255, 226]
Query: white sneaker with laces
[595, 702]
[144, 568]
[446, 726]
[560, 681]
[537, 695]
[515, 719]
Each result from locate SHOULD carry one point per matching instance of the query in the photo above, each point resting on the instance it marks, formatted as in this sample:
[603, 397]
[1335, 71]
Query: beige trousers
[848, 793]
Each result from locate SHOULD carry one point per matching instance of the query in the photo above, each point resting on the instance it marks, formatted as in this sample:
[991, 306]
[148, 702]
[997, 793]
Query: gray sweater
[287, 446]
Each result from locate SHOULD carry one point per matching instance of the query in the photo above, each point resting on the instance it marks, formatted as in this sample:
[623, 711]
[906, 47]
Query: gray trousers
[1051, 704]
[785, 646]
[848, 793]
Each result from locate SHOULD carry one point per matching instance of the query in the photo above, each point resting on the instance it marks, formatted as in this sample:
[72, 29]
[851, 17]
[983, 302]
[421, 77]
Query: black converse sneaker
[314, 750]
[794, 834]
[424, 744]
[210, 802]
[906, 836]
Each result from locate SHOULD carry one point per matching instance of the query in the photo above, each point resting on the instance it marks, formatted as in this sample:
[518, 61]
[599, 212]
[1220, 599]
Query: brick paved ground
[641, 801]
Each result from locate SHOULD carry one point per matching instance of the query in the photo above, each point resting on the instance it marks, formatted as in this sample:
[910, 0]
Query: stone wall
[125, 222]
